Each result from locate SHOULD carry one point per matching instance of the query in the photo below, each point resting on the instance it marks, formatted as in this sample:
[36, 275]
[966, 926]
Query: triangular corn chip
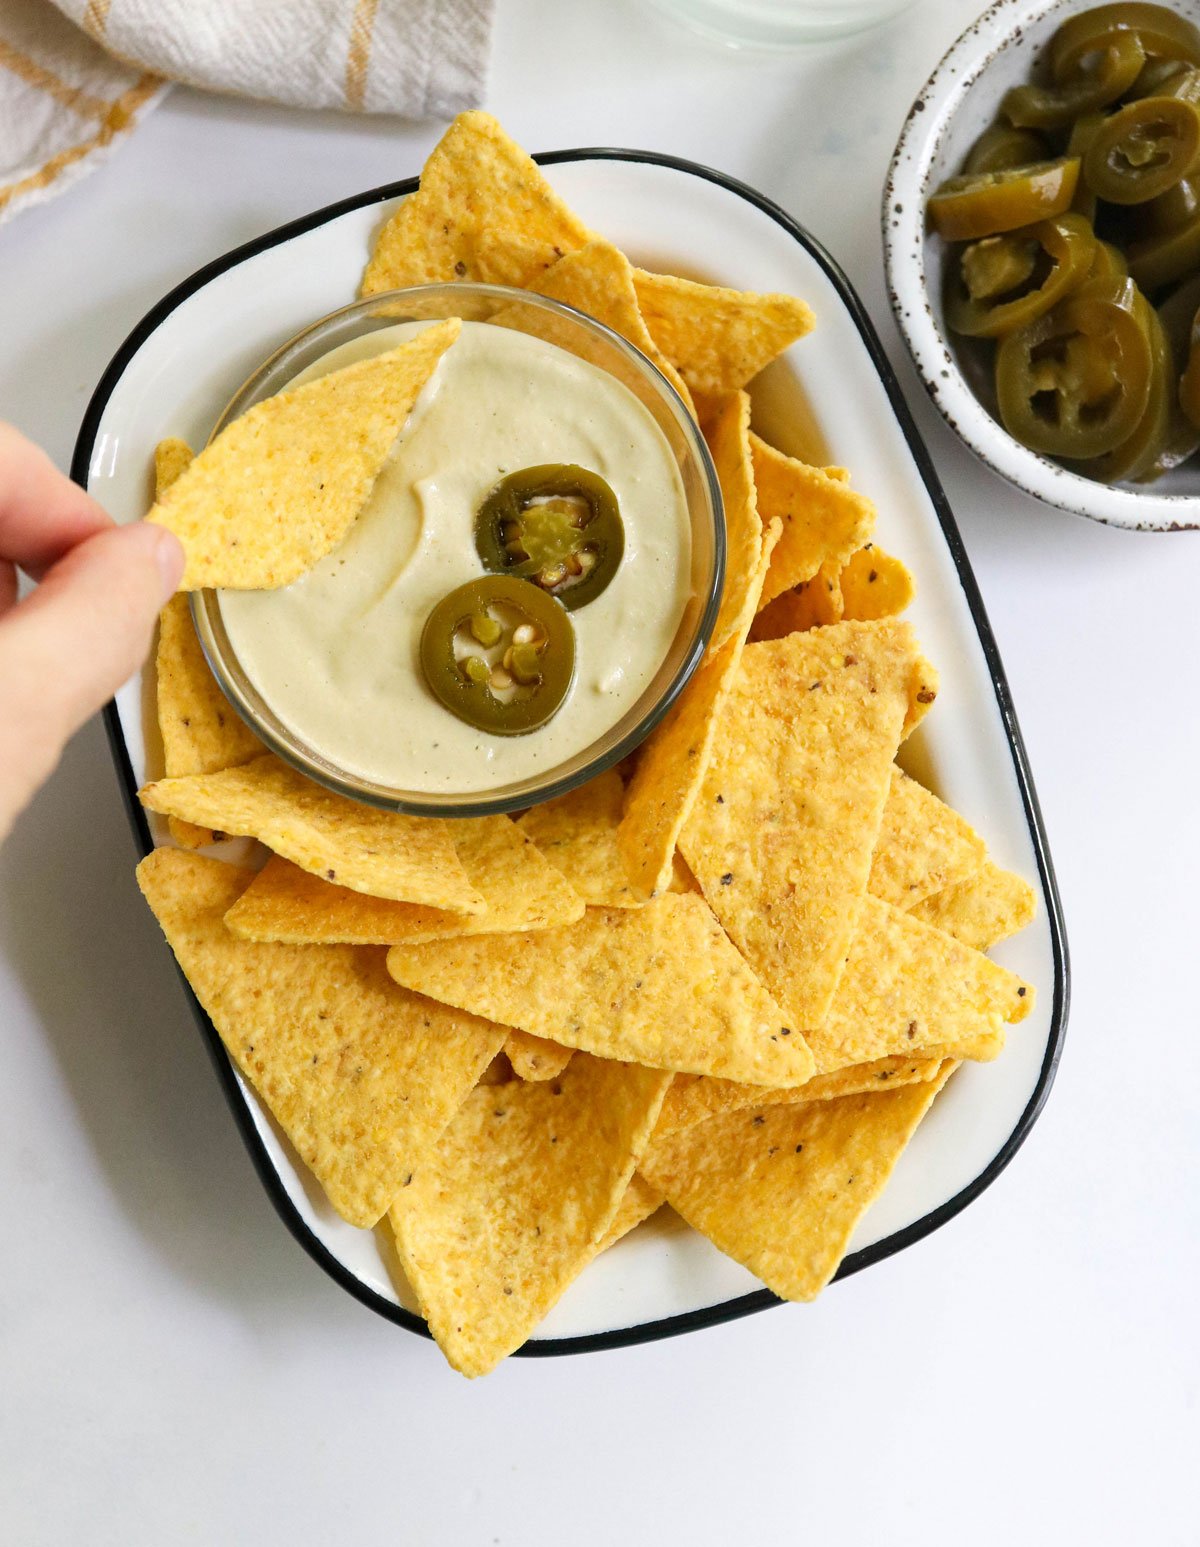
[172, 456]
[782, 834]
[520, 888]
[509, 1206]
[824, 520]
[361, 1075]
[577, 833]
[596, 279]
[729, 441]
[661, 986]
[717, 338]
[639, 1202]
[875, 585]
[476, 180]
[533, 1058]
[201, 731]
[814, 603]
[695, 1098]
[782, 1189]
[982, 909]
[674, 758]
[923, 845]
[908, 985]
[281, 486]
[381, 853]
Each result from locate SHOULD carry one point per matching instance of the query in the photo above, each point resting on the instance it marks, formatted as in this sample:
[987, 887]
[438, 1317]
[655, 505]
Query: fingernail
[169, 556]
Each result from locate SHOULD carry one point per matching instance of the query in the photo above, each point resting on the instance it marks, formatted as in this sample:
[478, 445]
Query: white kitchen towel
[77, 75]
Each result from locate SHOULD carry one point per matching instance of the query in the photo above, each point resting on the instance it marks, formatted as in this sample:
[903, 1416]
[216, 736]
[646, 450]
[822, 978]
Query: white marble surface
[173, 1369]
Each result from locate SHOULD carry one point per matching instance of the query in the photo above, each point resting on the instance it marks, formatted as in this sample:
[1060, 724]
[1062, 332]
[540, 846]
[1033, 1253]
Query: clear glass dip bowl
[599, 346]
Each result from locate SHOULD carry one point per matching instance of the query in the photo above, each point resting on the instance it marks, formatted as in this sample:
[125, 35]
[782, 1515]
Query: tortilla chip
[172, 456]
[201, 731]
[674, 758]
[661, 986]
[381, 853]
[908, 985]
[596, 279]
[577, 833]
[534, 1058]
[179, 654]
[729, 441]
[639, 1202]
[824, 520]
[875, 585]
[923, 845]
[281, 486]
[506, 1210]
[781, 1190]
[361, 1075]
[982, 909]
[476, 180]
[718, 339]
[695, 1098]
[815, 603]
[782, 834]
[521, 891]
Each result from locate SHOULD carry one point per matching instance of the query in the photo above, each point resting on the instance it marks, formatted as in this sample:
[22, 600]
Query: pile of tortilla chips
[731, 977]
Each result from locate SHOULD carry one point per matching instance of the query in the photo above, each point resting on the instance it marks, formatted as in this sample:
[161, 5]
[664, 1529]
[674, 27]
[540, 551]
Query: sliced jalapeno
[1143, 150]
[1180, 317]
[1161, 260]
[1075, 383]
[1099, 79]
[965, 208]
[1135, 458]
[1163, 34]
[1001, 147]
[1005, 282]
[557, 525]
[1083, 132]
[1173, 209]
[1108, 262]
[500, 654]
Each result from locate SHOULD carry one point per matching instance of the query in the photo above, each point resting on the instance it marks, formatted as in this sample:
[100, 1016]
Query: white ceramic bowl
[957, 103]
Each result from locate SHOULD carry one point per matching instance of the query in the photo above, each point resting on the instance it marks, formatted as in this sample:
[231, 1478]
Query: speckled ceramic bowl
[956, 104]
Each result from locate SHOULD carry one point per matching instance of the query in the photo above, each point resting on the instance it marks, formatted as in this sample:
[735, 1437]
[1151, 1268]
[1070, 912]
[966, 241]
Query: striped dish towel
[77, 75]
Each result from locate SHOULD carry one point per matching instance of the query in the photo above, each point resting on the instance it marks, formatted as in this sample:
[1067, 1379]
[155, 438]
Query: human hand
[84, 630]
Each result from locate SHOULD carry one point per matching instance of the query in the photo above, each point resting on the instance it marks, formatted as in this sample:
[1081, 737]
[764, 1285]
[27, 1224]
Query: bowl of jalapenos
[1042, 241]
[530, 567]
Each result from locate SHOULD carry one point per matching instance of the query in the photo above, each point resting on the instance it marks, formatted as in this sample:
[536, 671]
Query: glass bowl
[599, 346]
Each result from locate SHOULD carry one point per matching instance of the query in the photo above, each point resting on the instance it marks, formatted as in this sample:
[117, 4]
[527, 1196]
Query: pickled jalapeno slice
[968, 207]
[1143, 150]
[557, 526]
[1139, 453]
[1006, 282]
[1001, 147]
[1076, 382]
[1161, 260]
[1095, 83]
[1163, 34]
[499, 653]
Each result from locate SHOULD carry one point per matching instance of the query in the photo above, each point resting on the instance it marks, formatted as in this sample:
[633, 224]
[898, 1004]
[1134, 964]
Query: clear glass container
[781, 24]
[599, 346]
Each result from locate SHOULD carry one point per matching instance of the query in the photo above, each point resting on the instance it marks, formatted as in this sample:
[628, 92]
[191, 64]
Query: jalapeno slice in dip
[500, 654]
[557, 525]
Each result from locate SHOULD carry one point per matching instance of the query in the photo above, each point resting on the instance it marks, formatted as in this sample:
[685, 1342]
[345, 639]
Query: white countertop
[174, 1369]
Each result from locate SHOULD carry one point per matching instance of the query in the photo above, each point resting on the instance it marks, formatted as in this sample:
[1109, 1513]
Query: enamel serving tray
[832, 399]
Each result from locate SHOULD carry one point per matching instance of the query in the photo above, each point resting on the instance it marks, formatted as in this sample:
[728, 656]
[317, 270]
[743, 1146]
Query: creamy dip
[337, 654]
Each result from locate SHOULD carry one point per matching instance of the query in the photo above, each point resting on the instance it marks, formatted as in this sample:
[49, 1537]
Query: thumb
[68, 646]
